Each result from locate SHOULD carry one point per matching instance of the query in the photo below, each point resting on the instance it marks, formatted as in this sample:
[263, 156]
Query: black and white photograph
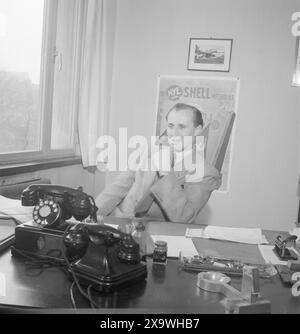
[149, 160]
[209, 54]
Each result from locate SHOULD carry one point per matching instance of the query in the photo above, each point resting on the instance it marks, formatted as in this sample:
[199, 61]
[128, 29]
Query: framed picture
[208, 54]
[296, 76]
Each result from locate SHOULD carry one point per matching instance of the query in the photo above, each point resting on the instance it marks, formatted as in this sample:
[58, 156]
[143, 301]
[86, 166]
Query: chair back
[218, 140]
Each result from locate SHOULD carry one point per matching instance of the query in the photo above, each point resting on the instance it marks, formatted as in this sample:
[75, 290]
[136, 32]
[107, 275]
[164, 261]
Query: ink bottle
[160, 252]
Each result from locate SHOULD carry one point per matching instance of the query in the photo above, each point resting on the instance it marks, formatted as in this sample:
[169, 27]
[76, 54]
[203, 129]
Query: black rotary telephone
[111, 259]
[54, 203]
[96, 254]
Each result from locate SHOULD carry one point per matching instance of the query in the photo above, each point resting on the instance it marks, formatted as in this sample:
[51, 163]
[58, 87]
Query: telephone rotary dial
[46, 213]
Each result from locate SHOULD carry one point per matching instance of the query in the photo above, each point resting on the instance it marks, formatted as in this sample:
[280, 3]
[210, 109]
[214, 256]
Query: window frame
[48, 58]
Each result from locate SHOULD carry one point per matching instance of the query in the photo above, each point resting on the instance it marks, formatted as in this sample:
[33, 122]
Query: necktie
[144, 204]
[172, 158]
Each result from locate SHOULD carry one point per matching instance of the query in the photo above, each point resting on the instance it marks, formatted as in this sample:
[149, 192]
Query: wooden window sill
[28, 167]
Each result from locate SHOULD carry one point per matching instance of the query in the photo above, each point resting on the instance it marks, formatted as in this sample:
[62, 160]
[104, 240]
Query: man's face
[181, 124]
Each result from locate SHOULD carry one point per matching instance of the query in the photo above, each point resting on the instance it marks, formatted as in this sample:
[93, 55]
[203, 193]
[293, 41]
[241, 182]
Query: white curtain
[93, 111]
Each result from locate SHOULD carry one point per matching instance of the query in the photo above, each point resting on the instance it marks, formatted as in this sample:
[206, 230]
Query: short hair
[198, 119]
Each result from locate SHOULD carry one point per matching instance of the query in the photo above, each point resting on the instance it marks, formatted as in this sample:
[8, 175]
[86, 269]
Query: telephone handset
[98, 255]
[54, 203]
[111, 259]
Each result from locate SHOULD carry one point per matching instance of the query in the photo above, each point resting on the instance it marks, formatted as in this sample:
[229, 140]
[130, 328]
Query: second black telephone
[54, 203]
[97, 255]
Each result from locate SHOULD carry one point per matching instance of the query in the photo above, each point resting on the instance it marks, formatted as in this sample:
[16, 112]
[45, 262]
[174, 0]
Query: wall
[152, 39]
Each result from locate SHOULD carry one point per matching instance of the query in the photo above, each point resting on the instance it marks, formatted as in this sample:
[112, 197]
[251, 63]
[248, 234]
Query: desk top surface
[164, 291]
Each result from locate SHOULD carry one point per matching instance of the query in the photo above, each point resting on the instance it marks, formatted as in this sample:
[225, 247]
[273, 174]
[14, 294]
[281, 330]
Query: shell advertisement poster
[217, 99]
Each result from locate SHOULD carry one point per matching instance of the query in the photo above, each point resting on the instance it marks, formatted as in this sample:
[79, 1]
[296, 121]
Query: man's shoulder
[212, 177]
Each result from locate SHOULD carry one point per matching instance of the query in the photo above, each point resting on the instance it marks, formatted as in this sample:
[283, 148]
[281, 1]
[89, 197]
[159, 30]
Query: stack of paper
[241, 235]
[177, 245]
[13, 208]
[194, 233]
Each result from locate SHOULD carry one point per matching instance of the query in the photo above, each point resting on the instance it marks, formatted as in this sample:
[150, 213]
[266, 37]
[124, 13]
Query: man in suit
[176, 195]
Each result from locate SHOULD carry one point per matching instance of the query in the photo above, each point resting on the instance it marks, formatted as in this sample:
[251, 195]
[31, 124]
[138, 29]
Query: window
[39, 78]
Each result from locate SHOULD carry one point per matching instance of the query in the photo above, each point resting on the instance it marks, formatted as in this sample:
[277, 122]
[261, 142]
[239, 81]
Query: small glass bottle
[160, 252]
[139, 235]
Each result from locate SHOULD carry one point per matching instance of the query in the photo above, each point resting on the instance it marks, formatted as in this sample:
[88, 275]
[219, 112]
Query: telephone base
[33, 241]
[93, 264]
[43, 243]
[104, 284]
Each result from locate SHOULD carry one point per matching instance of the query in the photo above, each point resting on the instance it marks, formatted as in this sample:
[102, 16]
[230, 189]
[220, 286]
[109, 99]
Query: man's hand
[144, 204]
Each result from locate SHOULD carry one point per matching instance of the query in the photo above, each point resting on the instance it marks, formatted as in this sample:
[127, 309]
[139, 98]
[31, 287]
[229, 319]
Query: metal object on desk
[207, 263]
[213, 282]
[281, 248]
[251, 300]
[248, 300]
[285, 274]
[226, 266]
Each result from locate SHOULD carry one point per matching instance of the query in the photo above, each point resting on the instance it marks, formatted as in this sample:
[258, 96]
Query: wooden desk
[169, 291]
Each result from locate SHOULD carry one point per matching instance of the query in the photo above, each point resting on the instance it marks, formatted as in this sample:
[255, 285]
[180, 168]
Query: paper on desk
[233, 234]
[177, 244]
[13, 208]
[194, 233]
